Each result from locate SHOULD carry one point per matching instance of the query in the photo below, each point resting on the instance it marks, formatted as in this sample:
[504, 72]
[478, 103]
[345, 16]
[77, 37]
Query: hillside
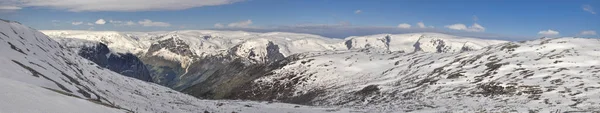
[543, 75]
[417, 72]
[40, 75]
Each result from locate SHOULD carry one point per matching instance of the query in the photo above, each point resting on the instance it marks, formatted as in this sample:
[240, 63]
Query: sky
[496, 19]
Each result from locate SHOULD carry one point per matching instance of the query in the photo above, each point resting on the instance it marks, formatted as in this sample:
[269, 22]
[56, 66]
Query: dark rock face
[348, 44]
[387, 41]
[440, 46]
[125, 64]
[273, 53]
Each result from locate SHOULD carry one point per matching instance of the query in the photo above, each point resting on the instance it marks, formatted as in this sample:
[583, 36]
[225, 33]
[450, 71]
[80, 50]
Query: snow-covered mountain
[207, 42]
[174, 57]
[419, 72]
[544, 75]
[37, 74]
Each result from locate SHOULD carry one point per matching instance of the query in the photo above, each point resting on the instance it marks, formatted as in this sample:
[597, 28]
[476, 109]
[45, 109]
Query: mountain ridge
[41, 75]
[171, 53]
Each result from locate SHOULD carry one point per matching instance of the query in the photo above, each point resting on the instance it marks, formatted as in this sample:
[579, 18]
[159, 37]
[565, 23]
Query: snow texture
[40, 75]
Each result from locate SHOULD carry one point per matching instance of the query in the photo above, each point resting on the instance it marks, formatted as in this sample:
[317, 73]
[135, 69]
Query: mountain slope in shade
[36, 68]
[123, 63]
[541, 75]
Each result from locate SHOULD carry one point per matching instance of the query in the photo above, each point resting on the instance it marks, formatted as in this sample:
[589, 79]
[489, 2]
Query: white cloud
[10, 8]
[118, 5]
[150, 23]
[114, 21]
[477, 28]
[548, 32]
[343, 31]
[100, 22]
[457, 26]
[422, 25]
[90, 24]
[77, 23]
[357, 11]
[122, 23]
[219, 25]
[129, 23]
[588, 8]
[588, 32]
[473, 28]
[241, 24]
[310, 26]
[404, 26]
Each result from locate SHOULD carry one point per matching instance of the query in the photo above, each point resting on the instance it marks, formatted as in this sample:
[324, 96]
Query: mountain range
[39, 74]
[185, 71]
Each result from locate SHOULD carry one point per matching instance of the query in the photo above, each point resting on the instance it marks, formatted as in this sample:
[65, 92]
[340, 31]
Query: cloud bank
[588, 33]
[343, 30]
[150, 23]
[404, 26]
[100, 22]
[548, 32]
[113, 5]
[240, 24]
[462, 27]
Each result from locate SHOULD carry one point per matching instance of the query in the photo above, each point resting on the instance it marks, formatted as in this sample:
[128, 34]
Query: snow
[115, 40]
[19, 97]
[209, 42]
[546, 74]
[405, 42]
[40, 75]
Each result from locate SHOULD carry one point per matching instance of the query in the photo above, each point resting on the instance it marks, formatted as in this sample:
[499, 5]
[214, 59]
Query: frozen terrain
[174, 56]
[417, 72]
[544, 75]
[40, 75]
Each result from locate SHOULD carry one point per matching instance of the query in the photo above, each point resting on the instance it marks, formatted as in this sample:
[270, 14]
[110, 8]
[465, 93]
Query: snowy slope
[19, 97]
[207, 42]
[541, 75]
[38, 74]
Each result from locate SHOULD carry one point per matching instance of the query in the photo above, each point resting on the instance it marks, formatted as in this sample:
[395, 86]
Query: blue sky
[514, 19]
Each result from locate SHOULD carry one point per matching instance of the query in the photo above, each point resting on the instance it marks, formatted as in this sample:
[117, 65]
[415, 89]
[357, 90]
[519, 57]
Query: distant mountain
[174, 57]
[37, 74]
